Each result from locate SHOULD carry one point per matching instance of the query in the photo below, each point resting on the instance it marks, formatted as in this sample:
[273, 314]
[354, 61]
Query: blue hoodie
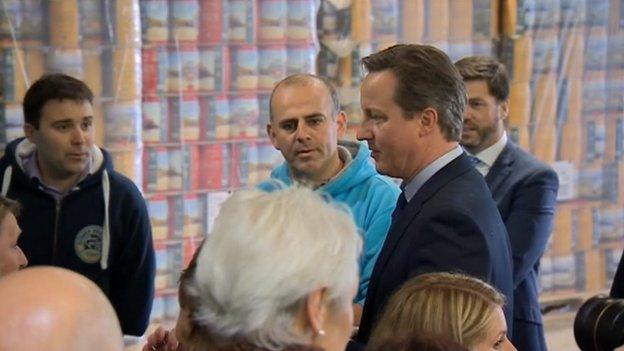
[100, 229]
[370, 196]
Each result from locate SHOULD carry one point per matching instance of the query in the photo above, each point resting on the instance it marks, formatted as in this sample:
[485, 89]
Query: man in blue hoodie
[306, 124]
[77, 212]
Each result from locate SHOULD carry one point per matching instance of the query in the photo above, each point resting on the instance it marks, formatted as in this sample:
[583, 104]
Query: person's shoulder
[470, 180]
[382, 183]
[123, 185]
[463, 192]
[8, 158]
[528, 169]
[363, 171]
[272, 184]
[527, 161]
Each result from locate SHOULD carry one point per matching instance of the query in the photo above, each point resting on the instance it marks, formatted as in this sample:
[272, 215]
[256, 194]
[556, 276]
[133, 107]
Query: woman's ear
[316, 310]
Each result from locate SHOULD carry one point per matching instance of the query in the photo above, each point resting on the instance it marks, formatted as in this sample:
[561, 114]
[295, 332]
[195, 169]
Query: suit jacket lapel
[501, 168]
[449, 172]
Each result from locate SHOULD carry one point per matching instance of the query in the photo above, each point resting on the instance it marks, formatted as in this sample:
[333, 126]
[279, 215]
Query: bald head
[49, 308]
[306, 80]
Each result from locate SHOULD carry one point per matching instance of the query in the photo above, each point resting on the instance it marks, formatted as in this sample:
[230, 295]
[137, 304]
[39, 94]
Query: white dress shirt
[488, 156]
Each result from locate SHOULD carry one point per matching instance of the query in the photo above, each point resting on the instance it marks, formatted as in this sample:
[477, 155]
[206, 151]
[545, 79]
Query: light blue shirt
[423, 176]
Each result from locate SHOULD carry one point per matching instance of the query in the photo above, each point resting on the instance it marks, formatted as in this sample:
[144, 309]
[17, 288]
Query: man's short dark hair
[425, 77]
[303, 79]
[488, 69]
[56, 86]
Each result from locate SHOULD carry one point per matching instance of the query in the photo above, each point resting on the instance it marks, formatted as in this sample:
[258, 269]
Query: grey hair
[267, 252]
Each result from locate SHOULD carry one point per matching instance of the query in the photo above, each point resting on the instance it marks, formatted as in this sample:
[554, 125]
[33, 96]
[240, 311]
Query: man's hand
[162, 340]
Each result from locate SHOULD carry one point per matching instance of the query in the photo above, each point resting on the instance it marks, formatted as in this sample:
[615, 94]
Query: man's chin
[75, 170]
[469, 142]
[305, 169]
[381, 169]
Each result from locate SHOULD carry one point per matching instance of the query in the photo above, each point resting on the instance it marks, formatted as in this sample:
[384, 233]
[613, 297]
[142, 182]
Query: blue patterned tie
[475, 160]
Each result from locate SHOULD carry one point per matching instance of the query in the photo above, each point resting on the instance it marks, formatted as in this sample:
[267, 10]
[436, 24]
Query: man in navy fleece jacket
[78, 212]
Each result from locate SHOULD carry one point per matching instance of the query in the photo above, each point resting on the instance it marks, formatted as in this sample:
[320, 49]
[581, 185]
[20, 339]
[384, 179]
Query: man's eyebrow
[312, 115]
[65, 120]
[287, 120]
[62, 121]
[373, 110]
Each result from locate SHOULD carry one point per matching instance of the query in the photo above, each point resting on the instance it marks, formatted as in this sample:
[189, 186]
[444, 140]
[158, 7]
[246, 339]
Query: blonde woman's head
[459, 307]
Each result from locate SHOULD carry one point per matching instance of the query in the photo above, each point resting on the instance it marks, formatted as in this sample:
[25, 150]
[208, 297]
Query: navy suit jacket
[525, 190]
[451, 224]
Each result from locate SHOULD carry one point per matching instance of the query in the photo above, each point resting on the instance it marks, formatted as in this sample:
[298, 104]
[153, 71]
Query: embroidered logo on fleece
[88, 244]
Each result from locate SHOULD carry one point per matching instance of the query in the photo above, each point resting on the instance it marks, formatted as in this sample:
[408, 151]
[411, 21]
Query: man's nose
[23, 260]
[468, 113]
[78, 135]
[363, 132]
[303, 132]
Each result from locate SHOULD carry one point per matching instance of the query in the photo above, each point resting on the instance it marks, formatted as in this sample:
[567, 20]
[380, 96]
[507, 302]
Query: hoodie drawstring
[6, 180]
[105, 229]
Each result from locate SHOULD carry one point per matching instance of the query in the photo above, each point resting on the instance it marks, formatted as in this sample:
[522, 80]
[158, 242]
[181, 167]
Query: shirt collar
[411, 188]
[31, 168]
[489, 155]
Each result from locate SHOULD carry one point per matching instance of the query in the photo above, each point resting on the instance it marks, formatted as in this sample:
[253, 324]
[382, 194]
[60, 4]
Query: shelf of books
[208, 70]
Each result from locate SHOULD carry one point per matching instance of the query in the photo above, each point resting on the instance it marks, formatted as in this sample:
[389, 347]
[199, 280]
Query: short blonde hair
[452, 305]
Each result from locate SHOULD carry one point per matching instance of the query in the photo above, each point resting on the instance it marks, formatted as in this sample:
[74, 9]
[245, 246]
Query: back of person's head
[188, 332]
[11, 256]
[454, 305]
[306, 79]
[54, 309]
[267, 253]
[425, 77]
[55, 86]
[488, 69]
[415, 342]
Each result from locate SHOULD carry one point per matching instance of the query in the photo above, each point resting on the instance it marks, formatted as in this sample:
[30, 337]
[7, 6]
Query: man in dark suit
[524, 188]
[413, 100]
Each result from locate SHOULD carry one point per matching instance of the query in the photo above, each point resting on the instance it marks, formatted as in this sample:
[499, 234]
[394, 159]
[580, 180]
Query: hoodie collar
[26, 152]
[26, 159]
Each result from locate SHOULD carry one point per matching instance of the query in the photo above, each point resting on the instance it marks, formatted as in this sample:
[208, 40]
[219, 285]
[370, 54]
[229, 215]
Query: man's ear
[315, 310]
[428, 120]
[29, 132]
[503, 110]
[341, 124]
[271, 134]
